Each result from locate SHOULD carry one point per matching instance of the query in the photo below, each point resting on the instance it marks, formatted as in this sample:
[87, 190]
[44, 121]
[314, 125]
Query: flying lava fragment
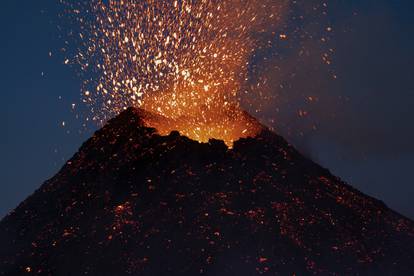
[185, 60]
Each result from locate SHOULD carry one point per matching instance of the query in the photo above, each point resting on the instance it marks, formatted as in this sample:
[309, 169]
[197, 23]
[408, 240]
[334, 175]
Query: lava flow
[185, 60]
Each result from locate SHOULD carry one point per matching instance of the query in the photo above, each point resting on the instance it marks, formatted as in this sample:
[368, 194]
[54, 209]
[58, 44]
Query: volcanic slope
[132, 202]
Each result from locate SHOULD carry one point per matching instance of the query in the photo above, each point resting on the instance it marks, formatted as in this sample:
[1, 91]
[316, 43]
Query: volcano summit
[133, 202]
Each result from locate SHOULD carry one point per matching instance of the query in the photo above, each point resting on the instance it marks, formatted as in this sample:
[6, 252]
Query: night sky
[365, 131]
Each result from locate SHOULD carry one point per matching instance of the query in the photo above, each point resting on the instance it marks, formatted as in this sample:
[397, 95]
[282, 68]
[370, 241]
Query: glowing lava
[228, 124]
[183, 59]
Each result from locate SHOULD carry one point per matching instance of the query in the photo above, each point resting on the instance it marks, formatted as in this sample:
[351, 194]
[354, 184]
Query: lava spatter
[185, 60]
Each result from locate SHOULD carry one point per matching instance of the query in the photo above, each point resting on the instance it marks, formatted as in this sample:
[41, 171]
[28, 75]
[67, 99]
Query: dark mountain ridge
[134, 202]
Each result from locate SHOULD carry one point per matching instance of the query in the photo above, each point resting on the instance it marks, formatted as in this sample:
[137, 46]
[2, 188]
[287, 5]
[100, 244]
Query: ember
[183, 59]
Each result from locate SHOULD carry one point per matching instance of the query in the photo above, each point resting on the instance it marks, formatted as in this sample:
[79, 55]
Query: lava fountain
[182, 59]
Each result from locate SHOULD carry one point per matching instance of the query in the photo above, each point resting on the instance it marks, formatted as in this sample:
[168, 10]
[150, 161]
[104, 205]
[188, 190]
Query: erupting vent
[229, 124]
[185, 60]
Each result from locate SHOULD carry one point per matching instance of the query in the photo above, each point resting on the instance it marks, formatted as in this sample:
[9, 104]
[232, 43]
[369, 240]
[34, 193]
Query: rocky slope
[134, 202]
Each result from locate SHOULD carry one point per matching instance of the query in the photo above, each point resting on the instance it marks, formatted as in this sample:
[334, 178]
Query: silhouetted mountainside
[133, 202]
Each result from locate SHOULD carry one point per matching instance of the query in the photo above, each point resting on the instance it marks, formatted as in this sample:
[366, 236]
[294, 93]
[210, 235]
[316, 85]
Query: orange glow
[185, 60]
[228, 123]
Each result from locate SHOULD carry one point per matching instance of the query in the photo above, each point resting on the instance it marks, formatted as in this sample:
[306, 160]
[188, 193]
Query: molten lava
[185, 60]
[229, 123]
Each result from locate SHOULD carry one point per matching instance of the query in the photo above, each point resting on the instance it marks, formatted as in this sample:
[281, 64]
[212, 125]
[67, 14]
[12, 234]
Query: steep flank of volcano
[134, 202]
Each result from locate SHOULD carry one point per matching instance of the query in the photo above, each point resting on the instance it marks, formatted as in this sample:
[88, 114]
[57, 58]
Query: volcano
[133, 202]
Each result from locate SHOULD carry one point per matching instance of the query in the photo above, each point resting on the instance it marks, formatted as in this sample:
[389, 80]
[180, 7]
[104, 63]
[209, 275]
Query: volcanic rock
[132, 202]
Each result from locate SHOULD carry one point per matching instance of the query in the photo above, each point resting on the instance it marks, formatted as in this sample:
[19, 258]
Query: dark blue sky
[367, 140]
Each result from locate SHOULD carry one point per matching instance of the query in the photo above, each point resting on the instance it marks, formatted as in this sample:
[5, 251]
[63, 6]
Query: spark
[182, 59]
